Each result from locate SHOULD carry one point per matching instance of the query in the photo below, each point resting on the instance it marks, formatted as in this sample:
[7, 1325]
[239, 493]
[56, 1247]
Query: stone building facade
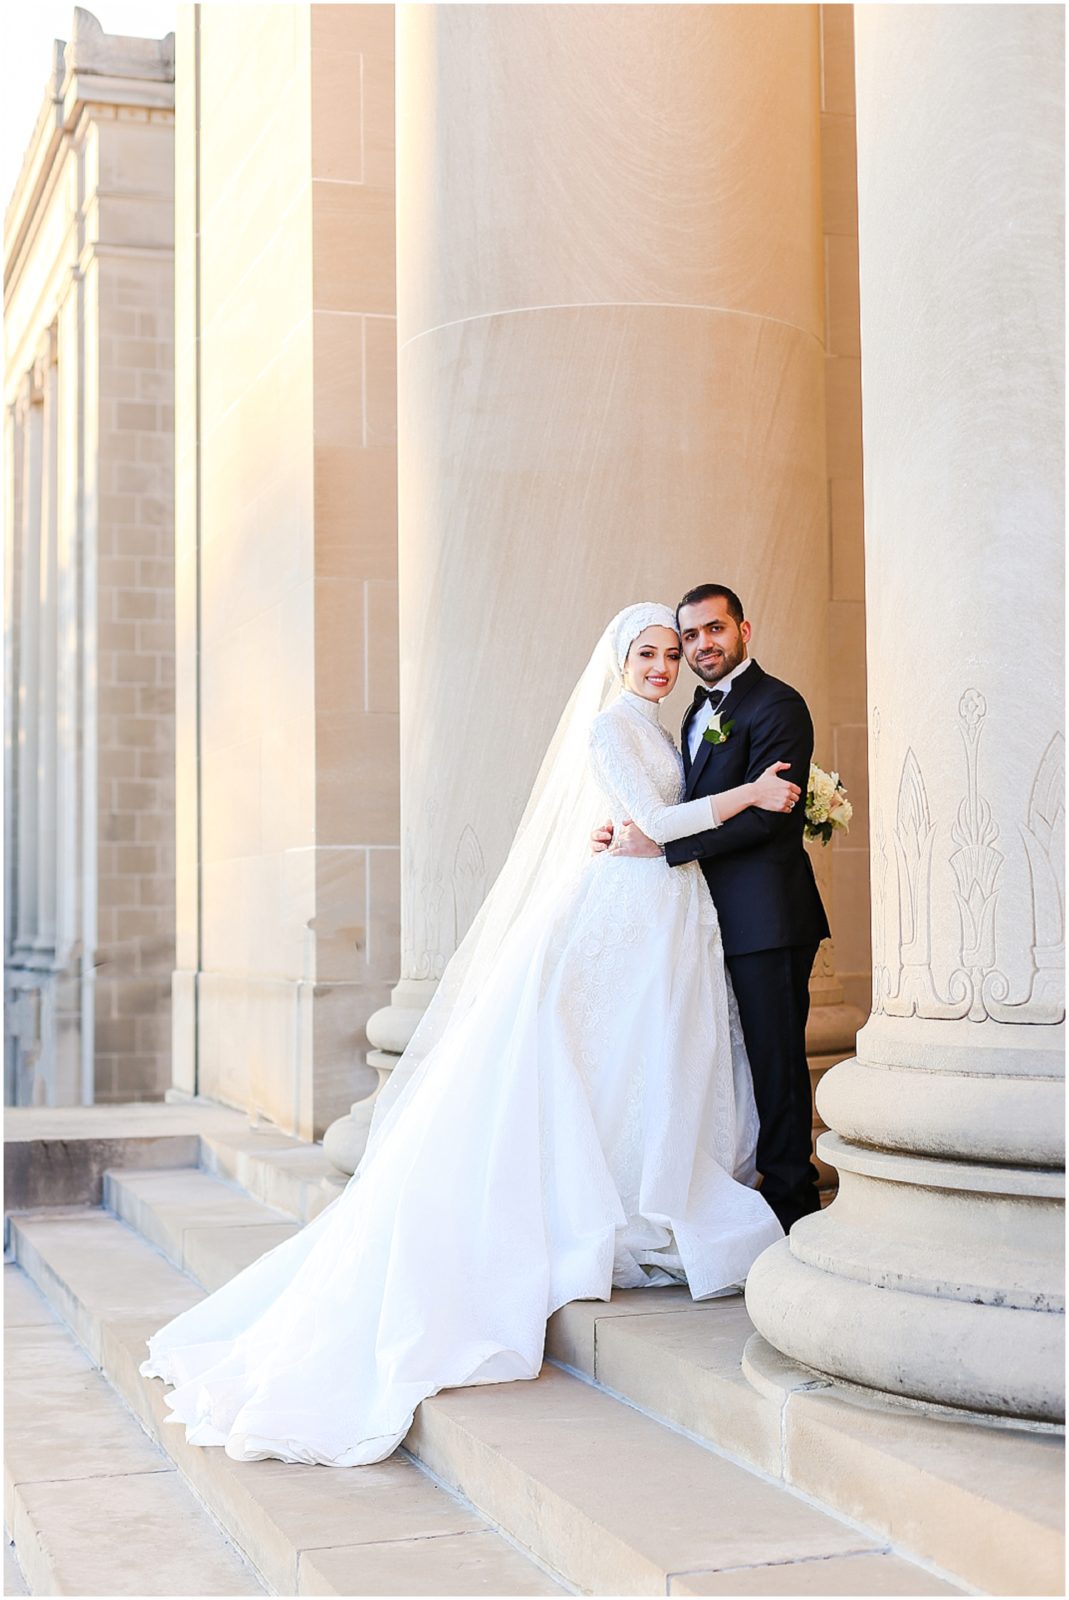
[446, 400]
[89, 619]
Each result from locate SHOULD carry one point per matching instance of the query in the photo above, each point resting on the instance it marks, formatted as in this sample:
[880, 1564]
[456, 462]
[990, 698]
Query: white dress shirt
[701, 718]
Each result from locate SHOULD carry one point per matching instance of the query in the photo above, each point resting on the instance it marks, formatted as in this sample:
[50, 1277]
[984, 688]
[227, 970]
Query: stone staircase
[644, 1459]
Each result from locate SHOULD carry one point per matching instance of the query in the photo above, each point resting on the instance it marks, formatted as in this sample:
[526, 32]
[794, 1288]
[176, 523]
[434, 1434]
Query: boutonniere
[718, 732]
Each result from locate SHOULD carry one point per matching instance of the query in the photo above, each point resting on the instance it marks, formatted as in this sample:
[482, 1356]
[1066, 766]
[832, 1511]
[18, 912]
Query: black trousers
[772, 990]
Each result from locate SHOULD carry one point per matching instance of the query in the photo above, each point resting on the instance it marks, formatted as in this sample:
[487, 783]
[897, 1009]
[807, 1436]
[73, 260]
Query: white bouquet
[827, 810]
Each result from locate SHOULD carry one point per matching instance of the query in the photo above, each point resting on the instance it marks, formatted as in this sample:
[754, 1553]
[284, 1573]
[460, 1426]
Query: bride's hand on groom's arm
[773, 793]
[768, 792]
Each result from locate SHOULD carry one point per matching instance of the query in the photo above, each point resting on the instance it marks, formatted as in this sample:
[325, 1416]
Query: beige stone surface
[202, 1224]
[985, 1503]
[276, 1169]
[29, 1347]
[571, 1330]
[271, 1511]
[844, 883]
[62, 1424]
[447, 1564]
[168, 1546]
[567, 1465]
[76, 1463]
[297, 514]
[687, 1368]
[851, 1575]
[571, 469]
[23, 1306]
[58, 1156]
[96, 1268]
[625, 237]
[73, 1124]
[838, 171]
[837, 59]
[213, 1255]
[615, 1500]
[960, 480]
[282, 1511]
[951, 1101]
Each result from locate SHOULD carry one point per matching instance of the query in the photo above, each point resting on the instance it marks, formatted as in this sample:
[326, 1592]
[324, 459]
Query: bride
[574, 1112]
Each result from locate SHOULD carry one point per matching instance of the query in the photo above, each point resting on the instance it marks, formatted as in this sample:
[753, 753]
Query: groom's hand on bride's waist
[601, 838]
[631, 841]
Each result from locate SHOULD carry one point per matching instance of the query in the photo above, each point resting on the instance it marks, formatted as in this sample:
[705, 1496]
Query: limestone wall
[287, 724]
[88, 396]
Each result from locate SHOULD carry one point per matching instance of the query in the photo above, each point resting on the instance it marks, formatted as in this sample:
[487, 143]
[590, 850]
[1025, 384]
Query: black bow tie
[714, 697]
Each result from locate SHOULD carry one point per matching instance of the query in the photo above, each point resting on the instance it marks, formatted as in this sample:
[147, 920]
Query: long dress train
[588, 1122]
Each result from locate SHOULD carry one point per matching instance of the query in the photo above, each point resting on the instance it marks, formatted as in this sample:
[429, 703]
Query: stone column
[31, 400]
[48, 640]
[610, 388]
[936, 1274]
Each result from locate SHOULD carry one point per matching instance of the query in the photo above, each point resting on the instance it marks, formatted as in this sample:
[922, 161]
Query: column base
[389, 1031]
[830, 1036]
[930, 1280]
[774, 1375]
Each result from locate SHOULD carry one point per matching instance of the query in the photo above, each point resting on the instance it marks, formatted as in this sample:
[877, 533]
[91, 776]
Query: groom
[760, 878]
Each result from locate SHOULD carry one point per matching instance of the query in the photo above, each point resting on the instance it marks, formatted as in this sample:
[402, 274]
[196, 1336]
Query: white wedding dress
[588, 1121]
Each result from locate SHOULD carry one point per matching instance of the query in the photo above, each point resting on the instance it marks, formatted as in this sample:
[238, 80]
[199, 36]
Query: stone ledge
[58, 1156]
[846, 1575]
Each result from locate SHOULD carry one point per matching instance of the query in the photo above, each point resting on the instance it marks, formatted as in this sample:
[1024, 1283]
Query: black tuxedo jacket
[755, 864]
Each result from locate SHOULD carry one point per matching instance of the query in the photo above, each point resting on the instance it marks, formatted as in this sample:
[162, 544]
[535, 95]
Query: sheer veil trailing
[550, 848]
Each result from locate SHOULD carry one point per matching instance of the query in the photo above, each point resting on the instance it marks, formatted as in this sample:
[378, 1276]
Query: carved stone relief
[977, 987]
[440, 905]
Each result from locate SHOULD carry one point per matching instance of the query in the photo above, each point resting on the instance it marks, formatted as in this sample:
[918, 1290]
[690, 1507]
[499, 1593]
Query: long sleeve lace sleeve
[623, 775]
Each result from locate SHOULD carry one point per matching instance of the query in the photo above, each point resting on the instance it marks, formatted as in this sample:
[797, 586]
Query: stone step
[203, 1224]
[290, 1174]
[624, 1505]
[76, 1463]
[381, 1530]
[683, 1363]
[178, 1211]
[910, 1477]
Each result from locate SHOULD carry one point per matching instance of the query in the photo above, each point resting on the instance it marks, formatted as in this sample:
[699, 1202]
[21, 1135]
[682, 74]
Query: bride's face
[652, 664]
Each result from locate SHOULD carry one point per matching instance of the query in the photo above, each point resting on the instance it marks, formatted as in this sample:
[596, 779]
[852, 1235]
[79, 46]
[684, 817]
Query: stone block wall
[135, 675]
[89, 751]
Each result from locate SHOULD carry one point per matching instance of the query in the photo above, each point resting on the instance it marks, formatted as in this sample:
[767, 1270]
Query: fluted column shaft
[948, 1124]
[610, 386]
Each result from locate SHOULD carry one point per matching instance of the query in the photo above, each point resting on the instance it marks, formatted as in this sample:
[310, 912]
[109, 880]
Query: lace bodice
[639, 770]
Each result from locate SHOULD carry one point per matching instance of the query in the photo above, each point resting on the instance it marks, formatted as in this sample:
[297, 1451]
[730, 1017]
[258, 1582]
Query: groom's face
[713, 642]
